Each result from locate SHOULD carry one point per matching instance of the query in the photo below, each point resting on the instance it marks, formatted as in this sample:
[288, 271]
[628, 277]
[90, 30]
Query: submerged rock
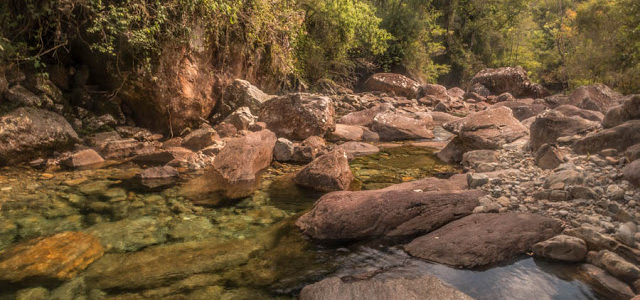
[156, 177]
[83, 158]
[327, 173]
[483, 239]
[379, 213]
[424, 287]
[58, 257]
[129, 235]
[28, 133]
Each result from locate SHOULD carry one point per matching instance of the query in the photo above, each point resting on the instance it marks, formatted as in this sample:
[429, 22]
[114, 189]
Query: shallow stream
[160, 244]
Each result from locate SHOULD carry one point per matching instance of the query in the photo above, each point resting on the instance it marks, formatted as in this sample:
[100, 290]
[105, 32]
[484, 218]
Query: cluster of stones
[532, 163]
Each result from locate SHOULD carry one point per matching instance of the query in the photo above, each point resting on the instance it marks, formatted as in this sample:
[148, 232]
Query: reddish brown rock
[327, 173]
[597, 97]
[393, 126]
[379, 213]
[298, 116]
[237, 165]
[605, 282]
[200, 139]
[484, 239]
[178, 94]
[562, 248]
[83, 158]
[156, 177]
[570, 111]
[620, 138]
[164, 156]
[631, 172]
[347, 133]
[508, 79]
[628, 110]
[364, 117]
[241, 93]
[524, 108]
[309, 149]
[489, 129]
[28, 133]
[59, 257]
[392, 83]
[356, 149]
[547, 128]
[548, 157]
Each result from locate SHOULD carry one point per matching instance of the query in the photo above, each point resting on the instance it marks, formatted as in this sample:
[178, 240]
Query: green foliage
[413, 25]
[337, 34]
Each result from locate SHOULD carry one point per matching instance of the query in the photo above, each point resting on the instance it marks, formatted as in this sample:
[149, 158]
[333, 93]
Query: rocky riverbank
[551, 176]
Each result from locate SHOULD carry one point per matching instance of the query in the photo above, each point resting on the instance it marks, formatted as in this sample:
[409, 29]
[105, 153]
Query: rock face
[392, 83]
[628, 110]
[239, 162]
[489, 129]
[57, 257]
[562, 248]
[390, 213]
[179, 95]
[241, 93]
[620, 138]
[483, 239]
[597, 97]
[28, 133]
[508, 79]
[298, 116]
[327, 173]
[83, 158]
[425, 287]
[547, 128]
[392, 126]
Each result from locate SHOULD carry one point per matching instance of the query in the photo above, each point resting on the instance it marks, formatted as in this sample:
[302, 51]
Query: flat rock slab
[57, 257]
[484, 239]
[384, 213]
[425, 287]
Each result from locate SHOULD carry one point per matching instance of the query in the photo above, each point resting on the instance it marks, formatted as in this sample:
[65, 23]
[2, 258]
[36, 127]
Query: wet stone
[129, 235]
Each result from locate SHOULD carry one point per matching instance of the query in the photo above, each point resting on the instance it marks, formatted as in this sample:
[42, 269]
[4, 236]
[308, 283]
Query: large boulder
[238, 163]
[364, 117]
[241, 93]
[562, 248]
[327, 173]
[397, 84]
[484, 239]
[55, 258]
[597, 97]
[356, 149]
[352, 133]
[28, 133]
[489, 129]
[384, 213]
[508, 79]
[628, 110]
[547, 128]
[620, 137]
[601, 280]
[524, 108]
[384, 288]
[177, 94]
[298, 116]
[394, 126]
[570, 111]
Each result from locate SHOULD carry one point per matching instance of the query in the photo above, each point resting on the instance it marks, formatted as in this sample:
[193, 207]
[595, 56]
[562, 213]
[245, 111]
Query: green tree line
[562, 43]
